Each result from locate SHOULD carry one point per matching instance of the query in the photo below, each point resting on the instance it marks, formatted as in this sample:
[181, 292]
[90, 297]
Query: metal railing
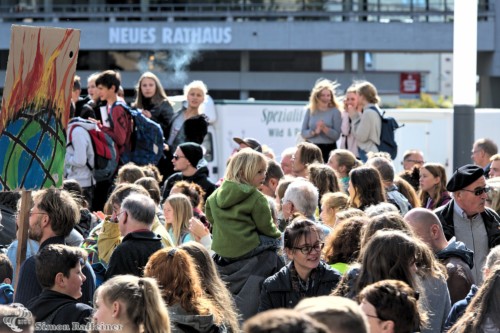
[433, 11]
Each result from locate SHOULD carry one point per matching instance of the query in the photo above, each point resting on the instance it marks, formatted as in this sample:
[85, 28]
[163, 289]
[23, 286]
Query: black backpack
[388, 142]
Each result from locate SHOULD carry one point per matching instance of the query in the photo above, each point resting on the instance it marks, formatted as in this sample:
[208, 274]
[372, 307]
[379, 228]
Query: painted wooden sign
[35, 106]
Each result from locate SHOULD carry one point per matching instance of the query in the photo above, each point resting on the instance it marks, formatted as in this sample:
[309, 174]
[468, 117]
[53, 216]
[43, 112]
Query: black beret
[464, 176]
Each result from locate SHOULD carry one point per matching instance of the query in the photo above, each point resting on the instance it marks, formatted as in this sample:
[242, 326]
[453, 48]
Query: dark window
[224, 61]
[285, 61]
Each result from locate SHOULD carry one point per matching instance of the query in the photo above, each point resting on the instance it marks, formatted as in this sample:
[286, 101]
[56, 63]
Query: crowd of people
[326, 239]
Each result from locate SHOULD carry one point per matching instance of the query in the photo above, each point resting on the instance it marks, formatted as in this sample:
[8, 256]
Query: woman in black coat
[189, 124]
[306, 275]
[153, 101]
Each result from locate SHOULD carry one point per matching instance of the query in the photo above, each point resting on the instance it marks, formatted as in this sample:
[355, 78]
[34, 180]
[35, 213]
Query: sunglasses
[177, 157]
[477, 192]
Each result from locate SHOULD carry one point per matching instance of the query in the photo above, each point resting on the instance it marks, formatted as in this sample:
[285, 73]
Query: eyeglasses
[176, 157]
[478, 191]
[415, 161]
[308, 248]
[35, 213]
[115, 220]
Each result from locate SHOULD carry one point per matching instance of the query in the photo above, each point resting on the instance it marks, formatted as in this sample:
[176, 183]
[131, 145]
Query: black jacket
[133, 253]
[69, 310]
[490, 218]
[162, 114]
[277, 289]
[8, 233]
[200, 178]
[28, 287]
[193, 129]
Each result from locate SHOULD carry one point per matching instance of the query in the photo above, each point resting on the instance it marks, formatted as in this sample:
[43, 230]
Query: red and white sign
[409, 83]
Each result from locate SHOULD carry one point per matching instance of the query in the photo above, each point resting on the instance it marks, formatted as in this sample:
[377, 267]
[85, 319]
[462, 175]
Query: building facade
[266, 49]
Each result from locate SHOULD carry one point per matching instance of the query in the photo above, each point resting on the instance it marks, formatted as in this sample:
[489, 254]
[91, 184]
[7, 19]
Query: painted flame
[39, 90]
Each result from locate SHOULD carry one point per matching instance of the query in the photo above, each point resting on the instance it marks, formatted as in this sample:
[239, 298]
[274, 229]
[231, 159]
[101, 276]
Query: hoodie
[458, 260]
[69, 310]
[200, 177]
[183, 321]
[239, 214]
[79, 152]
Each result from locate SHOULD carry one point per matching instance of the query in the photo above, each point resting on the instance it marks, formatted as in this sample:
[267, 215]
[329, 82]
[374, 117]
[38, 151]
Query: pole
[464, 79]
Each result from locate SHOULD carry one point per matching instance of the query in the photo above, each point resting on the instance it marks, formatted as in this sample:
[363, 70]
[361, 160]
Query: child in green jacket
[242, 224]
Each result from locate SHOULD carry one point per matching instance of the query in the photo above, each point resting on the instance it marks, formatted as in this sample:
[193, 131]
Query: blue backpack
[388, 142]
[147, 138]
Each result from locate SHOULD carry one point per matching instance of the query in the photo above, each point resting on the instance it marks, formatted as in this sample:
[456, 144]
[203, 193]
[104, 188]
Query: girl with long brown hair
[433, 192]
[188, 306]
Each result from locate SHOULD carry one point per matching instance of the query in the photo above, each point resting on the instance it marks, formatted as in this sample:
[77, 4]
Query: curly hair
[396, 301]
[179, 281]
[343, 244]
[323, 177]
[193, 191]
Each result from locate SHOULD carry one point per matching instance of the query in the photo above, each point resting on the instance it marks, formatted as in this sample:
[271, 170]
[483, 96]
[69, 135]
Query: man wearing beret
[466, 216]
[188, 161]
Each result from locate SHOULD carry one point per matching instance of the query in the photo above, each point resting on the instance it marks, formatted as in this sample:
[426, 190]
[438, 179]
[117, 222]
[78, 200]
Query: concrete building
[267, 49]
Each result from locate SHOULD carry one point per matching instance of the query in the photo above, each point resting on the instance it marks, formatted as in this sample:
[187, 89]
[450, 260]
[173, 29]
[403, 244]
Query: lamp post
[464, 79]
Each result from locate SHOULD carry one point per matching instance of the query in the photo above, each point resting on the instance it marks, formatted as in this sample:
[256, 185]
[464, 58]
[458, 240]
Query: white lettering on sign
[125, 35]
[181, 35]
[213, 35]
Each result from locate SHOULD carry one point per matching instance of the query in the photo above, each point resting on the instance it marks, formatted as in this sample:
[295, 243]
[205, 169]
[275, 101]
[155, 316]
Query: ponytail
[141, 297]
[155, 314]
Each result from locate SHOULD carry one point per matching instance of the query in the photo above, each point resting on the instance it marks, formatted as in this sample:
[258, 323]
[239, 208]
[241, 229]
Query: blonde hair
[244, 166]
[493, 258]
[368, 91]
[183, 211]
[142, 299]
[319, 86]
[197, 84]
[494, 193]
[336, 200]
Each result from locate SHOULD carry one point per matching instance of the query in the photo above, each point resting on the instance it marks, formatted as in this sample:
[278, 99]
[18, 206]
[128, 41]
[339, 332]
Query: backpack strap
[378, 112]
